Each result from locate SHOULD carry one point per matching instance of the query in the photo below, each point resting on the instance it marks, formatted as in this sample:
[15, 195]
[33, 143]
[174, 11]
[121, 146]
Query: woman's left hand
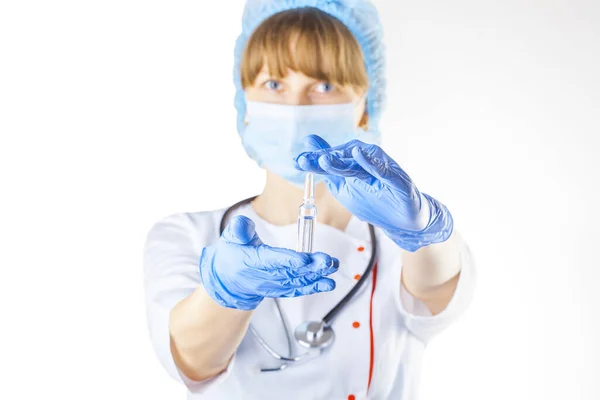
[372, 186]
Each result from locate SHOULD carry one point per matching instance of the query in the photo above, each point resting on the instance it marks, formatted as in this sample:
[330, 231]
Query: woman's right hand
[239, 271]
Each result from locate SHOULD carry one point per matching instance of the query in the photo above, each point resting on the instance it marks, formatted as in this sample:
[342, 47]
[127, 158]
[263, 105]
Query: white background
[114, 114]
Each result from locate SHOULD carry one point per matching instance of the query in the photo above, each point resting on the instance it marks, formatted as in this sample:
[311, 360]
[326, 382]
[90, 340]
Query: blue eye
[272, 84]
[324, 87]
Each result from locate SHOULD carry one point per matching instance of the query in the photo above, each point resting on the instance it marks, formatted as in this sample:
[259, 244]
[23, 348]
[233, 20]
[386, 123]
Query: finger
[272, 259]
[308, 164]
[322, 285]
[325, 263]
[320, 263]
[285, 278]
[370, 161]
[347, 168]
[380, 165]
[335, 184]
[313, 277]
[311, 143]
[338, 162]
[344, 150]
[315, 143]
[241, 230]
[308, 160]
[300, 281]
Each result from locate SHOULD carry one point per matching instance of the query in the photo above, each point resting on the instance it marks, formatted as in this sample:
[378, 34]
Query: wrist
[437, 228]
[424, 214]
[207, 302]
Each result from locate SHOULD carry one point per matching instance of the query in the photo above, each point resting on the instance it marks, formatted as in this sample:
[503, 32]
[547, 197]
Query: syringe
[307, 216]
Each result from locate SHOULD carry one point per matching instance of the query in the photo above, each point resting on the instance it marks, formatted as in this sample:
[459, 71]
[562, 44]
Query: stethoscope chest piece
[314, 335]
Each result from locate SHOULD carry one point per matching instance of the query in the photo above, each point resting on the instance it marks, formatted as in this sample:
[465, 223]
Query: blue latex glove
[373, 187]
[239, 271]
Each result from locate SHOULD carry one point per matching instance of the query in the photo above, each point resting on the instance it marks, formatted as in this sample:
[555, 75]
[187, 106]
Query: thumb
[315, 142]
[241, 230]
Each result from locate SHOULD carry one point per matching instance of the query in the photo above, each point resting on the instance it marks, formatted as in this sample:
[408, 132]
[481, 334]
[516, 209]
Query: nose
[300, 98]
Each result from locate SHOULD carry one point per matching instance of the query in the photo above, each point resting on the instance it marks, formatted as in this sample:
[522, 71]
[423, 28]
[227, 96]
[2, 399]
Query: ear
[364, 121]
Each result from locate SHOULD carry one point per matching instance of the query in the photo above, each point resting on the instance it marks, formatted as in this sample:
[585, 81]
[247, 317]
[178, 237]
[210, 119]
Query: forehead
[290, 76]
[307, 44]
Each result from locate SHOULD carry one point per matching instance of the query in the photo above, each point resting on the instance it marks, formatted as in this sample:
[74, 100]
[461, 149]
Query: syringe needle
[309, 188]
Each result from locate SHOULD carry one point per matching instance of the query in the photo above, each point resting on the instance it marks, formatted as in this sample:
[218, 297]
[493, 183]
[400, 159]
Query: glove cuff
[438, 229]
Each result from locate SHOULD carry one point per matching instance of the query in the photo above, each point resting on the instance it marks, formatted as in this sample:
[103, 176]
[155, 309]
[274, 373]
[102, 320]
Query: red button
[356, 324]
[351, 397]
[360, 248]
[357, 276]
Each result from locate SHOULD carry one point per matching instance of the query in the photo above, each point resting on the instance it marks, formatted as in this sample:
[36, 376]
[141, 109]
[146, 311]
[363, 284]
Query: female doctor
[229, 304]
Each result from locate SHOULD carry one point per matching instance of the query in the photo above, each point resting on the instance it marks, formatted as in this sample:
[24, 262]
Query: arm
[370, 184]
[204, 335]
[195, 322]
[237, 273]
[431, 273]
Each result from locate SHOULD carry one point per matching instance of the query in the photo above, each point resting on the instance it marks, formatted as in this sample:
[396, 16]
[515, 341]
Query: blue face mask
[275, 132]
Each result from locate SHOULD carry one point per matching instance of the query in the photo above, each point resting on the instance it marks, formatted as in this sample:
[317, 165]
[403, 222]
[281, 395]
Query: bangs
[305, 40]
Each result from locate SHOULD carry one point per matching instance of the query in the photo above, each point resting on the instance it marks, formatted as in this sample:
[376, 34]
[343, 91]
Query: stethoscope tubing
[327, 319]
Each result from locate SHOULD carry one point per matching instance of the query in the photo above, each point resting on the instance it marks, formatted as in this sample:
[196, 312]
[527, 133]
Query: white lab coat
[386, 318]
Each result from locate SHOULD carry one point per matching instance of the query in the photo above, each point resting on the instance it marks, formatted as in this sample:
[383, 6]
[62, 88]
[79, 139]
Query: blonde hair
[325, 49]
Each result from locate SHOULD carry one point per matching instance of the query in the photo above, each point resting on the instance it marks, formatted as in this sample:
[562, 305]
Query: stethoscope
[313, 335]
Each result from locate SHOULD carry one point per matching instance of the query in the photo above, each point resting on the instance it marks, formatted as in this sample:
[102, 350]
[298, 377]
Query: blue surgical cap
[359, 16]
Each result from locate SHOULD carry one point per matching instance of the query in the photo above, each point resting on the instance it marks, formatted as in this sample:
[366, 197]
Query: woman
[222, 307]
